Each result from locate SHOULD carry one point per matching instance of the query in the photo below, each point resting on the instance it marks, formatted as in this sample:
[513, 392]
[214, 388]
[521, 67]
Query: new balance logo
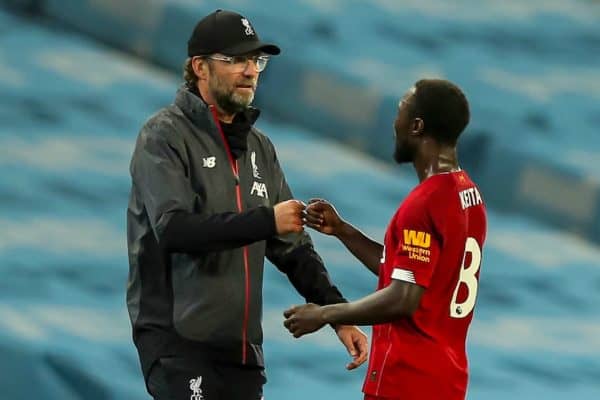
[209, 162]
[416, 238]
[259, 189]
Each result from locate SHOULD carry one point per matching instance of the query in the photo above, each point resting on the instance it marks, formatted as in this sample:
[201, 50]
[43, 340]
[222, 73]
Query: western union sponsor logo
[416, 238]
[417, 250]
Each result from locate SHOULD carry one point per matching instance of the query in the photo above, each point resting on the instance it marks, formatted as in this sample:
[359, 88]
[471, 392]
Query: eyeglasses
[240, 63]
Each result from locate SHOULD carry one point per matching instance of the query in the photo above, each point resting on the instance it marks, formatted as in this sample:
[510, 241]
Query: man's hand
[308, 318]
[323, 217]
[355, 342]
[289, 216]
[301, 320]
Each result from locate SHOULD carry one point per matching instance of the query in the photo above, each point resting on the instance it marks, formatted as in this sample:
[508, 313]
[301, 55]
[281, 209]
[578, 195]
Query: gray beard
[231, 102]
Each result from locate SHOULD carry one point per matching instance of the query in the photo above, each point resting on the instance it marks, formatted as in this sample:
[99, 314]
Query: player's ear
[417, 126]
[200, 66]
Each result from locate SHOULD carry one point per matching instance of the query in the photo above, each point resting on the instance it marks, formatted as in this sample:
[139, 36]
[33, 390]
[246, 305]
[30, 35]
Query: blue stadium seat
[70, 111]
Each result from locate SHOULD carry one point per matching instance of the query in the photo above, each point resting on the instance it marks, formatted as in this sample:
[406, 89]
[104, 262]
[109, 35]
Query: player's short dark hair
[443, 107]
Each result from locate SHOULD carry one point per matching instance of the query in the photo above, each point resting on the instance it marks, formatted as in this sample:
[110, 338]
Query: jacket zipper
[238, 193]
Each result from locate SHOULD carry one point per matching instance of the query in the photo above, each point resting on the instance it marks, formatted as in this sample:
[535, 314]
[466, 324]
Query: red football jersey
[434, 240]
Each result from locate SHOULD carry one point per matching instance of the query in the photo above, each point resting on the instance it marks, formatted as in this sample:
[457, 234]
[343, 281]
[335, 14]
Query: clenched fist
[323, 217]
[289, 216]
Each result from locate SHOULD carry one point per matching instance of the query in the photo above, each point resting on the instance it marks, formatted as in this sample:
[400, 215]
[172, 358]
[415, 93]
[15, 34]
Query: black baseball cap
[226, 32]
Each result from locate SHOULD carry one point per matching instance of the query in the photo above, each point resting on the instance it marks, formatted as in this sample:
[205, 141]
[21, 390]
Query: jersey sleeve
[418, 246]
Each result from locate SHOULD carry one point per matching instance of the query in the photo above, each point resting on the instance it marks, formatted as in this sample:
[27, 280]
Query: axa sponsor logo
[259, 189]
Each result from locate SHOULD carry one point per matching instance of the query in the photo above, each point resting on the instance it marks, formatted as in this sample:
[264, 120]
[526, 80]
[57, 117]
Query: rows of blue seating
[530, 70]
[70, 114]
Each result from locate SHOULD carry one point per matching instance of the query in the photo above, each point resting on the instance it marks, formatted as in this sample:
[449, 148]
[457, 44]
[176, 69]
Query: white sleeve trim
[403, 275]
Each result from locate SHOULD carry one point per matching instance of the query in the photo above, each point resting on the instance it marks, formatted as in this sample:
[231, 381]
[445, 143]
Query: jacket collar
[197, 111]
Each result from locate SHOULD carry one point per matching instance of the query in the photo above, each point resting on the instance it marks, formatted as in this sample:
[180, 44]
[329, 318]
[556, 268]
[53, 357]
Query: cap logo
[249, 31]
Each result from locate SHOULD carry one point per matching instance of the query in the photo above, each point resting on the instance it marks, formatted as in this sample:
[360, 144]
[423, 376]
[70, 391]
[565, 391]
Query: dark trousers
[177, 378]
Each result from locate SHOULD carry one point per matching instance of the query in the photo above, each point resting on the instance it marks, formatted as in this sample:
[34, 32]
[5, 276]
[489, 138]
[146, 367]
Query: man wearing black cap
[208, 202]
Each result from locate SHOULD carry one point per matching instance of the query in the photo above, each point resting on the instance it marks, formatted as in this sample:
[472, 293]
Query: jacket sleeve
[160, 176]
[295, 256]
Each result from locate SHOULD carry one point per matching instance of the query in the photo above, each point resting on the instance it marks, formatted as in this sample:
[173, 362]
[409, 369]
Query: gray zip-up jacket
[199, 224]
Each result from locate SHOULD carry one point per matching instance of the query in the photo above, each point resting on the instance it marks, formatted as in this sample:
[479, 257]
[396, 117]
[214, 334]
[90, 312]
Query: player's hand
[355, 342]
[323, 217]
[289, 216]
[304, 319]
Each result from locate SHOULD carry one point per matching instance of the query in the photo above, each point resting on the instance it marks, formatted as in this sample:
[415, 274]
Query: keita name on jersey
[469, 197]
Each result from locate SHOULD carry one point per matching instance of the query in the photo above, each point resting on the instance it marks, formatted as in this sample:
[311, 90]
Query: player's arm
[323, 217]
[398, 300]
[196, 233]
